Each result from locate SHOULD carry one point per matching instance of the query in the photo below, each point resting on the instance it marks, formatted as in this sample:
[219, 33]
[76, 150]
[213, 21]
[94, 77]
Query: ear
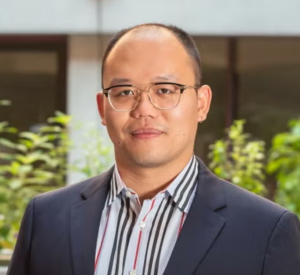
[100, 104]
[204, 95]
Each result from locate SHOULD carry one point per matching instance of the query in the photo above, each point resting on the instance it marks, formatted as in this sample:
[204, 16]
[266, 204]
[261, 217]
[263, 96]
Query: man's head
[184, 38]
[147, 136]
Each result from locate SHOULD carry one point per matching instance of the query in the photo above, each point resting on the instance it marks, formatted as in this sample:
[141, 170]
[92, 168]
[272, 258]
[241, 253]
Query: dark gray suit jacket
[228, 231]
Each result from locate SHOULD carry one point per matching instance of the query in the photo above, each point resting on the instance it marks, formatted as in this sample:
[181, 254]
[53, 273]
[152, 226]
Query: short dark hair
[184, 38]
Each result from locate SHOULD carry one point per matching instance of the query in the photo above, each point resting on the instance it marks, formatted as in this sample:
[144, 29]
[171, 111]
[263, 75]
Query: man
[159, 210]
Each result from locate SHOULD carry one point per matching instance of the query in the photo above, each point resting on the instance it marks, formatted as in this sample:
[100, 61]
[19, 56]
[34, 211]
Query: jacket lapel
[202, 225]
[85, 220]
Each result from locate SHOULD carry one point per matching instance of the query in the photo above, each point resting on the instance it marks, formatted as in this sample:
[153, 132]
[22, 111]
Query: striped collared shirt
[137, 239]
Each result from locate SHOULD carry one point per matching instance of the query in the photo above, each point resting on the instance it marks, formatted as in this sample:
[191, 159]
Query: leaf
[296, 130]
[7, 156]
[3, 124]
[60, 118]
[28, 135]
[273, 166]
[15, 184]
[10, 130]
[5, 102]
[22, 148]
[239, 159]
[5, 168]
[284, 162]
[33, 157]
[43, 174]
[25, 169]
[36, 164]
[7, 143]
[46, 129]
[46, 146]
[26, 143]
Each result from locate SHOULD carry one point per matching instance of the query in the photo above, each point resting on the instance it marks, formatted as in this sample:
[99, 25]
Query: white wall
[42, 16]
[202, 17]
[208, 17]
[84, 81]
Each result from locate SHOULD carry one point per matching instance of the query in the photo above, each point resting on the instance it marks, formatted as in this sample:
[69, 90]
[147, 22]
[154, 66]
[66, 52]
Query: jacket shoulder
[247, 206]
[236, 199]
[74, 193]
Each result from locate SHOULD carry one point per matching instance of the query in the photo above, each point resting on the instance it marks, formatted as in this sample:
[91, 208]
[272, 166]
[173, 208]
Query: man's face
[147, 136]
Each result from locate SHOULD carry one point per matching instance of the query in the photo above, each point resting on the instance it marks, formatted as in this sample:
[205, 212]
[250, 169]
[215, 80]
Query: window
[268, 84]
[33, 78]
[256, 79]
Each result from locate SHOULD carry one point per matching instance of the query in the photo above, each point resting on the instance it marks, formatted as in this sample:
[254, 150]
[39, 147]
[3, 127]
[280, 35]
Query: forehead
[147, 54]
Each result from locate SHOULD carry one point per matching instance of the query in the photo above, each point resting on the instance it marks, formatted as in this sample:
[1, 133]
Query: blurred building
[50, 58]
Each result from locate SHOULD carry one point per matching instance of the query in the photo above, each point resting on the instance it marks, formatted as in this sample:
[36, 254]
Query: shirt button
[132, 272]
[142, 224]
[128, 194]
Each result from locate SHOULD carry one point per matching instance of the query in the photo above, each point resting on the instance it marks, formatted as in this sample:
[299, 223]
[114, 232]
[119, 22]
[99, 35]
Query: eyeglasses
[162, 95]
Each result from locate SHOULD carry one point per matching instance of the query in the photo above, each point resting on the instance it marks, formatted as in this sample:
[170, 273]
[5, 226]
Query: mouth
[146, 133]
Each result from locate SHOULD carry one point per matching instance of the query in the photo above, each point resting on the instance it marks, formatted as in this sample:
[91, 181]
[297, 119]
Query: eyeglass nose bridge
[139, 96]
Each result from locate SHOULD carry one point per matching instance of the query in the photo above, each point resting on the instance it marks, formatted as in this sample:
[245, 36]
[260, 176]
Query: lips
[145, 133]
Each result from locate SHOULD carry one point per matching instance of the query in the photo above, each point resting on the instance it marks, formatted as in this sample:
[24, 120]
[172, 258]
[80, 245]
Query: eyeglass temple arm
[105, 92]
[184, 87]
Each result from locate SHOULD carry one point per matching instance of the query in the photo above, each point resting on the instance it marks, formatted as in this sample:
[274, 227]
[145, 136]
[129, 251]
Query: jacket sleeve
[19, 264]
[283, 253]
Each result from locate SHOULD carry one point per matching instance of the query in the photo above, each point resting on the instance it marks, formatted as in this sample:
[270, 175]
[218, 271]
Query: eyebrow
[120, 80]
[117, 81]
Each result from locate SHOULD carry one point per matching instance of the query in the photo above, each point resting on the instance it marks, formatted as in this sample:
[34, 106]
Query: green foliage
[239, 159]
[284, 162]
[95, 153]
[5, 102]
[31, 163]
[35, 162]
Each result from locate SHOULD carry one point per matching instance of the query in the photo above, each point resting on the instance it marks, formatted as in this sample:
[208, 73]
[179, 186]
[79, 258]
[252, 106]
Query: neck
[149, 181]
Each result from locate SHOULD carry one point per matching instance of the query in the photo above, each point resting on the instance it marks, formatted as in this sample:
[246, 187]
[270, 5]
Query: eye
[125, 93]
[122, 92]
[164, 91]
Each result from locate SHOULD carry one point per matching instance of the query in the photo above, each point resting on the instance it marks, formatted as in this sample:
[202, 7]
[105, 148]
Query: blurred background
[50, 60]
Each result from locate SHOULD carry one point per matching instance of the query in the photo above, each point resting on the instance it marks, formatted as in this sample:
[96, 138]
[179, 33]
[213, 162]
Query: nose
[144, 106]
[144, 95]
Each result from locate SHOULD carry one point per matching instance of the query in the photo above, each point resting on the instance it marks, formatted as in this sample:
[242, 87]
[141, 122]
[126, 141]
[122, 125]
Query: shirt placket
[142, 225]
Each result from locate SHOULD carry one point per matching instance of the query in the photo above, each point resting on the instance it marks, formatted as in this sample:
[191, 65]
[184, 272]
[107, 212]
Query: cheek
[186, 129]
[116, 125]
[185, 120]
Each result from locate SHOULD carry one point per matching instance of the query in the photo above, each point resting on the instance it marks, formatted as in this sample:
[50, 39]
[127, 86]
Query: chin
[150, 159]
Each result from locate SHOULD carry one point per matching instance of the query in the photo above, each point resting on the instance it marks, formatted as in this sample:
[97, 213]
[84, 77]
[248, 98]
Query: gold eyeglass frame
[182, 88]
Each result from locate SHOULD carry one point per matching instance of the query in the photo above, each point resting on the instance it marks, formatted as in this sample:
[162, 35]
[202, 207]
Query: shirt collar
[116, 186]
[181, 188]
